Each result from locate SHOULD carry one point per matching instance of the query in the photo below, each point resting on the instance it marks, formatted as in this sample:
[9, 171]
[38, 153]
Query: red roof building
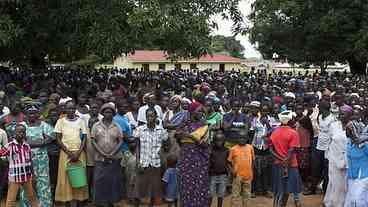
[157, 59]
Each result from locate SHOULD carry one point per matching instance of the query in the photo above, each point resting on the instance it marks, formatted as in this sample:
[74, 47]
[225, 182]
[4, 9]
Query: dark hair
[120, 101]
[151, 109]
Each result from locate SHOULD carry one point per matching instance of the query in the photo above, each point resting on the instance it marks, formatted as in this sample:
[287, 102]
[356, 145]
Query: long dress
[40, 163]
[194, 178]
[336, 154]
[71, 137]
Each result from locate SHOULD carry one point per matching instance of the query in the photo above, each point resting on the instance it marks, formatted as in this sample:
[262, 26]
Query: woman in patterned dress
[39, 135]
[194, 160]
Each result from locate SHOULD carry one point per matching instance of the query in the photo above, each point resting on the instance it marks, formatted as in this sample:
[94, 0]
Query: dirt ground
[307, 201]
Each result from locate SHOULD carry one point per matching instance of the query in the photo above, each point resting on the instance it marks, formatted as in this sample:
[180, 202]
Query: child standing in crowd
[20, 167]
[129, 164]
[219, 168]
[171, 182]
[241, 157]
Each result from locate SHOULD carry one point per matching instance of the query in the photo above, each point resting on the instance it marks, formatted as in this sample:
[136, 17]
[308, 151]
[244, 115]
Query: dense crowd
[182, 137]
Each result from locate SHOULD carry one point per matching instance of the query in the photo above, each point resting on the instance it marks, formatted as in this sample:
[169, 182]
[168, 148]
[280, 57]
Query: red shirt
[282, 139]
[20, 163]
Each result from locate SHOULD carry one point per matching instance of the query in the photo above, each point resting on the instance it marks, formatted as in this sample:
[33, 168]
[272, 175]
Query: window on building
[145, 67]
[161, 66]
[178, 66]
[222, 67]
[193, 66]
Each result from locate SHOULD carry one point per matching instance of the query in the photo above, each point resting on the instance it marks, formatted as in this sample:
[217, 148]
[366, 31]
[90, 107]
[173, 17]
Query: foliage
[229, 45]
[69, 30]
[312, 31]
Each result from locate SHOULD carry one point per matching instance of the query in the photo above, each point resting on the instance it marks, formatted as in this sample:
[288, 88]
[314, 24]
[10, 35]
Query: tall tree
[68, 30]
[312, 31]
[227, 44]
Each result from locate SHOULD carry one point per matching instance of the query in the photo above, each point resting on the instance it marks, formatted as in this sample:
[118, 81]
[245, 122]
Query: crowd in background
[183, 137]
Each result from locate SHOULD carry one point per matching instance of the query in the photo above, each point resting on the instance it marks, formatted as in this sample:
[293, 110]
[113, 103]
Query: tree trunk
[358, 67]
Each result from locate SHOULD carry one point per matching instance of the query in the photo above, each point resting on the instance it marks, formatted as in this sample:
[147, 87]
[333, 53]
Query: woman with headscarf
[357, 153]
[39, 135]
[194, 160]
[107, 139]
[337, 160]
[285, 174]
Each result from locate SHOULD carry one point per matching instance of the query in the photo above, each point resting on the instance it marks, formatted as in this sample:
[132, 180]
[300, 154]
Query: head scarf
[176, 98]
[255, 104]
[107, 106]
[286, 116]
[194, 106]
[290, 95]
[346, 108]
[187, 100]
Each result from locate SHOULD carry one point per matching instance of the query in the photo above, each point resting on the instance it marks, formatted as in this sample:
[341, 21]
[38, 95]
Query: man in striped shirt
[20, 167]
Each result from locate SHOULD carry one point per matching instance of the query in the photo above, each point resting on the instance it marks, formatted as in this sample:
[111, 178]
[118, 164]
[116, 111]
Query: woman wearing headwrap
[194, 160]
[357, 153]
[286, 178]
[39, 136]
[337, 160]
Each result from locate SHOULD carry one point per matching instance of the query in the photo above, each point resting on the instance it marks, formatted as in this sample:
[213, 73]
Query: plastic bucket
[77, 174]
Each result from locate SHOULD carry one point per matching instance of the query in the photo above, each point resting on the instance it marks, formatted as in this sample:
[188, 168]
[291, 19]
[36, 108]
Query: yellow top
[71, 131]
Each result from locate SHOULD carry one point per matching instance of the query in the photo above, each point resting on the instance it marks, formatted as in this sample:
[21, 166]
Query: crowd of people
[182, 137]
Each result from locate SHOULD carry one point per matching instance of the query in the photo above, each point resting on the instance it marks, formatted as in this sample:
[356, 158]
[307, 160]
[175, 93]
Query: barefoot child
[218, 168]
[241, 157]
[20, 167]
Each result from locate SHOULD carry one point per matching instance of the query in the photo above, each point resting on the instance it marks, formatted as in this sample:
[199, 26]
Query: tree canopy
[229, 45]
[312, 31]
[68, 30]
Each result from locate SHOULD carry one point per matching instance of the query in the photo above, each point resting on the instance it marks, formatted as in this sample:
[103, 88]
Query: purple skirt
[194, 180]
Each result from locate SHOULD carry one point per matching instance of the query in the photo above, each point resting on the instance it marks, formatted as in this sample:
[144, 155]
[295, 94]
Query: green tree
[230, 45]
[70, 30]
[312, 31]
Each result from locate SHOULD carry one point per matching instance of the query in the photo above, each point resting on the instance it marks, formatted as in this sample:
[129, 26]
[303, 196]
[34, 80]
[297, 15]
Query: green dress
[213, 119]
[40, 163]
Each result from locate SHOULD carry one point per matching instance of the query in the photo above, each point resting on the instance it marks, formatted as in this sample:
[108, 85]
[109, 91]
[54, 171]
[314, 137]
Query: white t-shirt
[324, 137]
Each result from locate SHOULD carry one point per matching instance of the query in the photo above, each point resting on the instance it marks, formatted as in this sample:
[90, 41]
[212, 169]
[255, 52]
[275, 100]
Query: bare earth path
[308, 201]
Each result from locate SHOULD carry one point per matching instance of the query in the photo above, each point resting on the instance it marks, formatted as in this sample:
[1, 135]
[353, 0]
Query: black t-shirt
[218, 161]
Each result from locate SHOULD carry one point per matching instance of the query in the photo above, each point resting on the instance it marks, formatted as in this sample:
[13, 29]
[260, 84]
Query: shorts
[218, 185]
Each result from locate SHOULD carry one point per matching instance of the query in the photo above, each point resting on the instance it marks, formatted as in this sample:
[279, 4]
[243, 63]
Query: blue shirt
[123, 123]
[357, 161]
[170, 178]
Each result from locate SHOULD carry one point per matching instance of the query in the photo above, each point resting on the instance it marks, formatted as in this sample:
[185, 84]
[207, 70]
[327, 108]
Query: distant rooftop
[161, 56]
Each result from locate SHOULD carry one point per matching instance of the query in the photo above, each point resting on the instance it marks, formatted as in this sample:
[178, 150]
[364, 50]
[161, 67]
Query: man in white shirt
[151, 103]
[319, 166]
